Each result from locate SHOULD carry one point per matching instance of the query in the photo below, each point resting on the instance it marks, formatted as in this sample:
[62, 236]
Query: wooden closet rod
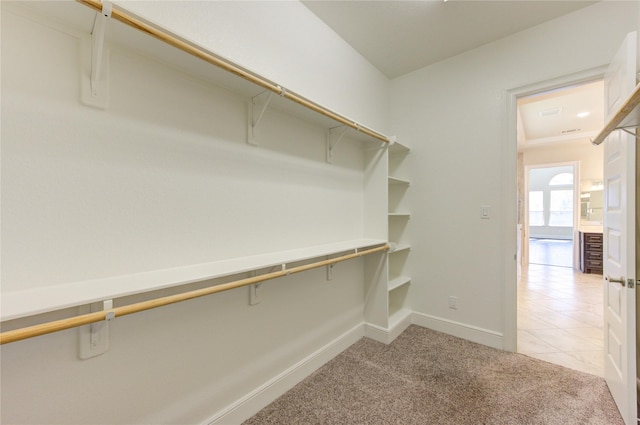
[85, 319]
[203, 54]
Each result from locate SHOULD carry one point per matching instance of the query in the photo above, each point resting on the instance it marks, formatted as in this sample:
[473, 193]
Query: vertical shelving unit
[398, 216]
[387, 310]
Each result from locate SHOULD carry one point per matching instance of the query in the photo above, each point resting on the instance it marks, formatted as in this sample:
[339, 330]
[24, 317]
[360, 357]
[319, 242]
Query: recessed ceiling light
[583, 114]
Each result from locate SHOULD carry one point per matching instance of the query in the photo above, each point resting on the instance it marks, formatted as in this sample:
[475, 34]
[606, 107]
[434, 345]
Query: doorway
[559, 308]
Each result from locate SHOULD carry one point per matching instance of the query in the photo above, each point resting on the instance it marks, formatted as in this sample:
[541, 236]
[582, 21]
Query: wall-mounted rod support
[254, 119]
[264, 108]
[85, 319]
[97, 44]
[201, 53]
[334, 136]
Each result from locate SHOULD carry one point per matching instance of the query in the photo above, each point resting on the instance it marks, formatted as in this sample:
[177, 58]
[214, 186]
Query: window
[561, 207]
[562, 179]
[536, 208]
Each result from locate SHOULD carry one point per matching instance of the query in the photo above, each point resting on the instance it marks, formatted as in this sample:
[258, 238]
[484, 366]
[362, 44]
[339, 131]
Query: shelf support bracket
[627, 130]
[95, 93]
[329, 270]
[94, 338]
[334, 136]
[254, 117]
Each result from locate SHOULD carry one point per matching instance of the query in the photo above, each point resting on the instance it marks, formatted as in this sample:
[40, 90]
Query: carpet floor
[427, 377]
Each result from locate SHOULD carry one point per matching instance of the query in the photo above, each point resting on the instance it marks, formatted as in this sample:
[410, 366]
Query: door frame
[575, 259]
[510, 190]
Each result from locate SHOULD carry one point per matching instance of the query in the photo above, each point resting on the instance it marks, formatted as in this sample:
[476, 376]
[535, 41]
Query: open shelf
[398, 148]
[400, 214]
[399, 248]
[398, 282]
[42, 300]
[121, 35]
[395, 180]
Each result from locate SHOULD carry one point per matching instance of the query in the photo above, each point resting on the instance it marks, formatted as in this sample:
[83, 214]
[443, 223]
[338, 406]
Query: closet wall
[162, 178]
[454, 113]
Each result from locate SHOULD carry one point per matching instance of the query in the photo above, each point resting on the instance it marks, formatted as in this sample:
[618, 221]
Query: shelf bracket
[254, 117]
[94, 338]
[334, 136]
[627, 130]
[95, 90]
[329, 270]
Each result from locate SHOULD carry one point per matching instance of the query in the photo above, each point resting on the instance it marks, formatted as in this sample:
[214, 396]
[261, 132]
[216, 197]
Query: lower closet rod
[85, 319]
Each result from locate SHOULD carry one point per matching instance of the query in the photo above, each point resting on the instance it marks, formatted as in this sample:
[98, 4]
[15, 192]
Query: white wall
[453, 115]
[589, 157]
[164, 178]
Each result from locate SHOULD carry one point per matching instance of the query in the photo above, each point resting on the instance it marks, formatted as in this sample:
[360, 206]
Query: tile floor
[552, 252]
[560, 317]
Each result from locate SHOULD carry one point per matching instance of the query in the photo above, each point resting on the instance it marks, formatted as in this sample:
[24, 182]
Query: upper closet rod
[85, 319]
[231, 67]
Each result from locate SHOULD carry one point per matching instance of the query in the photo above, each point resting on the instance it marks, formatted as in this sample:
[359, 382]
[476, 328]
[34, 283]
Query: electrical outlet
[453, 302]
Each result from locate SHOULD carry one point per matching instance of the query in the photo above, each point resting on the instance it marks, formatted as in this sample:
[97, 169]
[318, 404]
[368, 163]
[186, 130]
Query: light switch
[485, 212]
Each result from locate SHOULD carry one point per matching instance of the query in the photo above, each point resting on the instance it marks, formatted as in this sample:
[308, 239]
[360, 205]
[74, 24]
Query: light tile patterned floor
[560, 317]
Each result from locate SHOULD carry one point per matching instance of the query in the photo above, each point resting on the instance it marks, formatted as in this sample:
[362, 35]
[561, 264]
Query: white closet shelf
[399, 247]
[398, 148]
[398, 282]
[399, 214]
[395, 180]
[34, 301]
[121, 36]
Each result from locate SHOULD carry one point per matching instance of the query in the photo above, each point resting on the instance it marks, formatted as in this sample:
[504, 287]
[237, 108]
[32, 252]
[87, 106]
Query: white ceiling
[552, 117]
[400, 36]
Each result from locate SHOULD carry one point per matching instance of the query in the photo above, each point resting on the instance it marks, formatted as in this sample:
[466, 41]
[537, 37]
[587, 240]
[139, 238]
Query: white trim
[460, 330]
[387, 335]
[376, 333]
[247, 406]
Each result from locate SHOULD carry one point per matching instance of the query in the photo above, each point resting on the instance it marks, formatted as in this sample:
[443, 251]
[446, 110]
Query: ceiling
[400, 36]
[571, 114]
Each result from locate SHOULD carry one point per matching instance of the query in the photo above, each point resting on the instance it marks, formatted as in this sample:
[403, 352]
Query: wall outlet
[453, 302]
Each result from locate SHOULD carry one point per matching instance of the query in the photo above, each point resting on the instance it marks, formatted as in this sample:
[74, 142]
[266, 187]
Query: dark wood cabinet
[591, 252]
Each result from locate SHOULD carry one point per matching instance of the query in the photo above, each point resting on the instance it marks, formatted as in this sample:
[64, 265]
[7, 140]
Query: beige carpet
[426, 377]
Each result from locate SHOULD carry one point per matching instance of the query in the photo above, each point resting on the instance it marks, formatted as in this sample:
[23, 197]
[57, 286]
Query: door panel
[619, 243]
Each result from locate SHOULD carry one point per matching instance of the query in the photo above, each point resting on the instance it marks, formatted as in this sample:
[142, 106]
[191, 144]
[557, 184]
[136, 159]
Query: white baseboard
[377, 333]
[384, 335]
[257, 399]
[461, 330]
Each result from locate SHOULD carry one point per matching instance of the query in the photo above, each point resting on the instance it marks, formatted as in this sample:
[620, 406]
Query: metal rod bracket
[94, 338]
[254, 116]
[334, 136]
[95, 86]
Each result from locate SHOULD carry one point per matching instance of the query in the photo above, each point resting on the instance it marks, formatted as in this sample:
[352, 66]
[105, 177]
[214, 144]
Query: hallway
[560, 317]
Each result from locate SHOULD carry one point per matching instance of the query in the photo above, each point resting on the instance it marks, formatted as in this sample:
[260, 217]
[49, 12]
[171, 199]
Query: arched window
[562, 179]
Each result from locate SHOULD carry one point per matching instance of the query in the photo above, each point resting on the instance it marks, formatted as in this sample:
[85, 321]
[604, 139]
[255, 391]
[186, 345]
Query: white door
[619, 240]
